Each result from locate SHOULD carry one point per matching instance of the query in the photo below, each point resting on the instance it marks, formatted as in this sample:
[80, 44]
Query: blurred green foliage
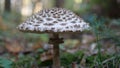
[101, 27]
[23, 62]
[79, 8]
[5, 63]
[68, 58]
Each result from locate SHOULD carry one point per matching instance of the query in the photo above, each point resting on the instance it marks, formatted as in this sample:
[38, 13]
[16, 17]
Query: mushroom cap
[54, 20]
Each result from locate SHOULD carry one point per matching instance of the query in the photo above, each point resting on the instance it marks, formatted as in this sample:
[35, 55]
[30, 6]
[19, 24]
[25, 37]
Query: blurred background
[97, 48]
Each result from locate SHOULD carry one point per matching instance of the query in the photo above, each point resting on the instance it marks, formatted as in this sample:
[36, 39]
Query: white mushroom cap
[57, 20]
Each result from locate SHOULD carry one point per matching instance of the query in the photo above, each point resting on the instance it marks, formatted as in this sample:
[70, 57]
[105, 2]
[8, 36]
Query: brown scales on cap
[54, 20]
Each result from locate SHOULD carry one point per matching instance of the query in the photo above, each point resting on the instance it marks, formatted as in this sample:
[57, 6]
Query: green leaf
[5, 63]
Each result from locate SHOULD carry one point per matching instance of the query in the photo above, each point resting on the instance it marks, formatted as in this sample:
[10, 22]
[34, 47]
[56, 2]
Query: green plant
[5, 63]
[102, 30]
[24, 62]
[68, 58]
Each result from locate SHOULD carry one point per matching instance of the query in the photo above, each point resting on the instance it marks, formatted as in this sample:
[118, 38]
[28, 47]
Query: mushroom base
[55, 40]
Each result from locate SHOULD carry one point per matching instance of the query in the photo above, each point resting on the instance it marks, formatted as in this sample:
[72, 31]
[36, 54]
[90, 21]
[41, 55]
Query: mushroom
[54, 21]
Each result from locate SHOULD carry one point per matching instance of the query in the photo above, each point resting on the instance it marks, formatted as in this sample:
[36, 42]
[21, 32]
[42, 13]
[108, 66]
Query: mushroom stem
[55, 40]
[56, 56]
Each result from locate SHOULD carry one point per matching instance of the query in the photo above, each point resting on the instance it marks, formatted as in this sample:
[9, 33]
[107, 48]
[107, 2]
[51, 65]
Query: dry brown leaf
[13, 46]
[37, 45]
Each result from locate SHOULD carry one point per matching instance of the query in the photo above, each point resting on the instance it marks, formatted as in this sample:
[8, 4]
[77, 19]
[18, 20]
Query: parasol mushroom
[54, 21]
